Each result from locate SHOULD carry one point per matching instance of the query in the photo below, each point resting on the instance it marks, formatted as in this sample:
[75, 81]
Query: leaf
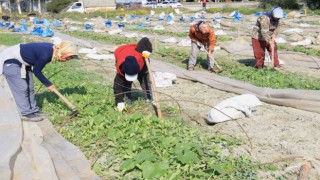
[218, 168]
[127, 165]
[188, 157]
[144, 155]
[148, 170]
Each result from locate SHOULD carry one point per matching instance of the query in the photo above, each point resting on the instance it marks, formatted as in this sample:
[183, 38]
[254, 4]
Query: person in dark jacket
[131, 66]
[19, 62]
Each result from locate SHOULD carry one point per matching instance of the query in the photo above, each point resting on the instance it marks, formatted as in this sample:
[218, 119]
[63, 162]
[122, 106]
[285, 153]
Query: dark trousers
[122, 87]
[259, 48]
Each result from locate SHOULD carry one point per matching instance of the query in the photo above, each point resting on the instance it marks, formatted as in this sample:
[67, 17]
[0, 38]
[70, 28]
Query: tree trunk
[39, 6]
[18, 6]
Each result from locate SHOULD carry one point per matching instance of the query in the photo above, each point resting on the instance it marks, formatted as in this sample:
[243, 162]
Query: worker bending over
[130, 65]
[19, 62]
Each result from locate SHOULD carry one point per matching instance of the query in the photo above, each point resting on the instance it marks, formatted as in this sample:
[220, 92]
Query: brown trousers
[259, 48]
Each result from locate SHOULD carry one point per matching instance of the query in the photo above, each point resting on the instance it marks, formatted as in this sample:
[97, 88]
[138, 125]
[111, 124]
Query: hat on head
[130, 68]
[277, 12]
[144, 45]
[66, 49]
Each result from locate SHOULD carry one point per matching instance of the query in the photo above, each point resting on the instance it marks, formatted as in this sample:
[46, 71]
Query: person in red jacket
[131, 66]
[204, 5]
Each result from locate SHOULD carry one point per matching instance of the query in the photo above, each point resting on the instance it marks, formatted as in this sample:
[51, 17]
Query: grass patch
[302, 49]
[10, 39]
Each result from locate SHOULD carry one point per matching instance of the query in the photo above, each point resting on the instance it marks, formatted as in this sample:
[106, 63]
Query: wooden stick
[215, 62]
[272, 52]
[65, 100]
[153, 89]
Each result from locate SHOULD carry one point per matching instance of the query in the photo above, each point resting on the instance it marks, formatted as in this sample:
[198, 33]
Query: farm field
[136, 144]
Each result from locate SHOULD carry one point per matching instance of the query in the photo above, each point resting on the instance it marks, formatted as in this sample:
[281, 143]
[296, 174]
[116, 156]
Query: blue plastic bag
[47, 32]
[88, 27]
[191, 19]
[132, 17]
[108, 23]
[202, 16]
[120, 25]
[169, 18]
[147, 18]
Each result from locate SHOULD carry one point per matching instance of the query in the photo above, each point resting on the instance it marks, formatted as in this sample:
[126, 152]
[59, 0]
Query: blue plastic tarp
[48, 32]
[237, 16]
[56, 23]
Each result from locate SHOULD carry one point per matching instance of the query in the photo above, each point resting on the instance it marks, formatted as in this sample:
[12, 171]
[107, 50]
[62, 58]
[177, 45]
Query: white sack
[302, 43]
[158, 27]
[220, 33]
[56, 40]
[185, 43]
[131, 35]
[100, 56]
[164, 79]
[293, 30]
[87, 51]
[169, 40]
[115, 31]
[280, 40]
[233, 107]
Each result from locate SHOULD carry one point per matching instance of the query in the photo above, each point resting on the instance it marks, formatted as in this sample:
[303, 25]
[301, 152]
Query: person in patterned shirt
[263, 36]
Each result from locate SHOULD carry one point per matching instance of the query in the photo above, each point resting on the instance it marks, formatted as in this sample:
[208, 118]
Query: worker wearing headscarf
[201, 34]
[19, 62]
[263, 36]
[131, 66]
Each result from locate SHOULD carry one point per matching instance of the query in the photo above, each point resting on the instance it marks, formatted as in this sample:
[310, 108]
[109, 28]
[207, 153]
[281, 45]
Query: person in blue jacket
[18, 64]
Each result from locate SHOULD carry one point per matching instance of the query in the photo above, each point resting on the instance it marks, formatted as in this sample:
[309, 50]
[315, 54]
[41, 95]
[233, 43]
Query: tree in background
[286, 4]
[313, 4]
[58, 5]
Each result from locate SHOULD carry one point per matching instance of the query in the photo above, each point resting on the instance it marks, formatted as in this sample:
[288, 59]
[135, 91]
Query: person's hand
[121, 106]
[271, 43]
[52, 87]
[146, 54]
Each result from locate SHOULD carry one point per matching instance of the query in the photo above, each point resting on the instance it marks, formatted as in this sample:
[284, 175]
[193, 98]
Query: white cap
[131, 77]
[277, 12]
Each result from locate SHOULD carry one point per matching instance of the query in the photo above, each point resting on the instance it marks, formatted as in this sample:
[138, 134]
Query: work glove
[121, 107]
[146, 54]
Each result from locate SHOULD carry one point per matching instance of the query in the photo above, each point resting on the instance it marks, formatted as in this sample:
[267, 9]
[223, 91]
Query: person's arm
[212, 41]
[192, 35]
[37, 71]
